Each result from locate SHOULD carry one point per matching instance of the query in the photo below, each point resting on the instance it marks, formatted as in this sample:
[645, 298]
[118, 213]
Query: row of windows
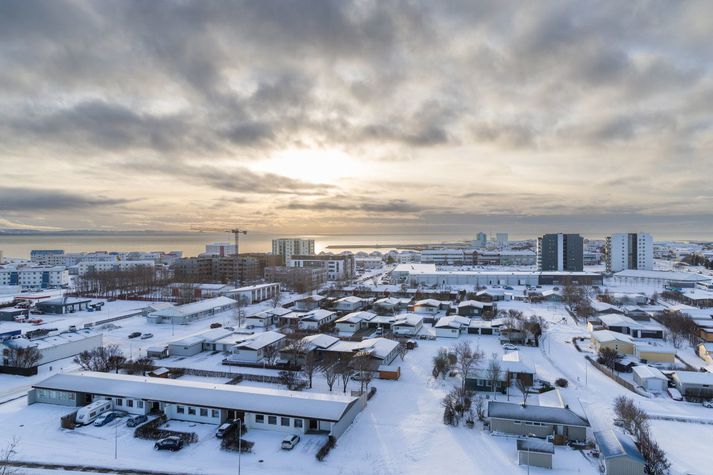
[129, 403]
[529, 423]
[272, 420]
[52, 394]
[201, 411]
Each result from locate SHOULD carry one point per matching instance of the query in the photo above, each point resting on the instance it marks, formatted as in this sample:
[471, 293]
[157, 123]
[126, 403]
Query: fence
[18, 371]
[68, 421]
[152, 431]
[617, 378]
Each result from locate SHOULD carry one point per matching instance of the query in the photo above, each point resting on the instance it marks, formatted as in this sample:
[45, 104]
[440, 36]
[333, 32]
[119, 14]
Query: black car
[169, 443]
[136, 420]
[134, 335]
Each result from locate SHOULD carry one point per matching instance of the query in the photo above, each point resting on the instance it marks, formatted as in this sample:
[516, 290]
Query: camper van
[87, 414]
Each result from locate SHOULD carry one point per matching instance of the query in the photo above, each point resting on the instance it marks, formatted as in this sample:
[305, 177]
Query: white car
[146, 336]
[708, 404]
[289, 442]
[675, 394]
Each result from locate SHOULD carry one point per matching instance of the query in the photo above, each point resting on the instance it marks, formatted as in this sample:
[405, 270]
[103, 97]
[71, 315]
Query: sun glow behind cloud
[312, 165]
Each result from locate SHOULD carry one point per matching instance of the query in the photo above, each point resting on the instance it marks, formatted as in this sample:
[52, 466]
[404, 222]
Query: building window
[130, 402]
[140, 404]
[298, 423]
[285, 421]
[204, 412]
[259, 418]
[191, 411]
[180, 410]
[272, 420]
[119, 402]
[214, 413]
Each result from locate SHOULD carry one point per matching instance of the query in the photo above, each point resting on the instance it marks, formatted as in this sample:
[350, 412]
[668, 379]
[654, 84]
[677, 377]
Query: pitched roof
[615, 444]
[552, 415]
[260, 340]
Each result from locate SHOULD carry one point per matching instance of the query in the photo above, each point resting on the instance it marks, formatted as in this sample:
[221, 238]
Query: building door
[313, 424]
[155, 406]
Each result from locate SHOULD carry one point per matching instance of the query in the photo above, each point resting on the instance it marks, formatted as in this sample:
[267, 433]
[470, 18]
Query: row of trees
[577, 301]
[119, 282]
[105, 359]
[680, 328]
[636, 422]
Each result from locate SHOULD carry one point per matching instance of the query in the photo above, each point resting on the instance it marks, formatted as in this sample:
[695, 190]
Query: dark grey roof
[327, 407]
[536, 445]
[552, 415]
[615, 444]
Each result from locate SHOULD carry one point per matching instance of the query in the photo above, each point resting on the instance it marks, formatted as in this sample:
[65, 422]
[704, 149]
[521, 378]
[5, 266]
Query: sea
[193, 243]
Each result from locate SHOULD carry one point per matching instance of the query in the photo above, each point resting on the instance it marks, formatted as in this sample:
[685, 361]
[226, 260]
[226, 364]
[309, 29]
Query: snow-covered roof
[320, 340]
[272, 312]
[356, 317]
[615, 444]
[51, 340]
[474, 303]
[532, 444]
[428, 303]
[377, 347]
[662, 275]
[647, 372]
[317, 315]
[552, 415]
[605, 336]
[513, 363]
[650, 348]
[408, 320]
[452, 321]
[195, 307]
[211, 335]
[694, 377]
[351, 299]
[260, 340]
[247, 398]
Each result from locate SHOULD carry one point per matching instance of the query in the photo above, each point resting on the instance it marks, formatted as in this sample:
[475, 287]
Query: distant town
[558, 352]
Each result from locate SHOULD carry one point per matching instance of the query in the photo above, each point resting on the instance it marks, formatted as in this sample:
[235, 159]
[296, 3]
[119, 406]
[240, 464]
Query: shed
[535, 452]
[160, 373]
[389, 372]
[650, 378]
[157, 352]
[63, 305]
[619, 455]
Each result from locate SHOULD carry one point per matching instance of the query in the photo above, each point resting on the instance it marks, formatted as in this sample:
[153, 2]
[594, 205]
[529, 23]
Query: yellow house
[705, 351]
[648, 353]
[619, 342]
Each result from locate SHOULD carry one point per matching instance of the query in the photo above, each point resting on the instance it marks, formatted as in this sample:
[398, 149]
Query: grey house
[540, 421]
[535, 452]
[619, 455]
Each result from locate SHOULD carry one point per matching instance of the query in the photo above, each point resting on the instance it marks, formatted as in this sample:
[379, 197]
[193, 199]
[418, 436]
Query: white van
[87, 414]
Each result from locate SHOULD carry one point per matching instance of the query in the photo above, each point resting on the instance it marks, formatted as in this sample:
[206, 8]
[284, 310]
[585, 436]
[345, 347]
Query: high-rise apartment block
[629, 251]
[292, 247]
[560, 252]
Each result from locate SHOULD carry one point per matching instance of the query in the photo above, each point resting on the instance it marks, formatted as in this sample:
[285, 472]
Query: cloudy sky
[368, 116]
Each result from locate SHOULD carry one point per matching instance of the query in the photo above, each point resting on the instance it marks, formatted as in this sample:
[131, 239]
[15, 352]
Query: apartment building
[629, 251]
[443, 257]
[35, 277]
[299, 279]
[560, 252]
[339, 267]
[93, 267]
[291, 247]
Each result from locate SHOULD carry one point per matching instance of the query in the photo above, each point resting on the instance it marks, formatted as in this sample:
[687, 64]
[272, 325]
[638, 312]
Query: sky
[358, 117]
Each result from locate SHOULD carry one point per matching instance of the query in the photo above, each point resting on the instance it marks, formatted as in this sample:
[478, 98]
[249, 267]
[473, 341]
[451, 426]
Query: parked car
[172, 443]
[136, 420]
[708, 404]
[146, 336]
[675, 394]
[360, 377]
[134, 334]
[105, 418]
[216, 325]
[225, 427]
[232, 329]
[289, 442]
[509, 347]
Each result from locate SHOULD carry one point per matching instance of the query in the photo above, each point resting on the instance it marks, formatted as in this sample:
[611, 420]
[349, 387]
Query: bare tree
[345, 372]
[402, 350]
[656, 461]
[23, 357]
[310, 366]
[270, 353]
[330, 375]
[139, 366]
[480, 407]
[276, 298]
[102, 359]
[494, 371]
[634, 420]
[524, 388]
[466, 359]
[441, 364]
[608, 357]
[239, 310]
[6, 457]
[297, 347]
[362, 367]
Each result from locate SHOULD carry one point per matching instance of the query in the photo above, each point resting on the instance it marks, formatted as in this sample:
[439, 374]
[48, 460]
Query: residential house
[267, 318]
[429, 306]
[407, 324]
[540, 421]
[309, 303]
[202, 341]
[648, 353]
[650, 378]
[352, 322]
[474, 308]
[705, 351]
[694, 384]
[256, 348]
[190, 312]
[516, 369]
[350, 304]
[628, 326]
[316, 319]
[451, 326]
[622, 344]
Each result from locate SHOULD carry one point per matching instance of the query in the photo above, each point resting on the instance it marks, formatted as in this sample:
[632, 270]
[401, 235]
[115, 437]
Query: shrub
[561, 383]
[152, 431]
[324, 450]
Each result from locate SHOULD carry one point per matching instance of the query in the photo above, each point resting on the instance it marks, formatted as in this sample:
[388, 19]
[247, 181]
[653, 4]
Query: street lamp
[240, 440]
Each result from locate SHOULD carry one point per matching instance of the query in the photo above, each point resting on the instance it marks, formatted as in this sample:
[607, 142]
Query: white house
[254, 293]
[429, 306]
[316, 318]
[184, 314]
[350, 304]
[354, 321]
[203, 341]
[254, 348]
[267, 318]
[407, 324]
[54, 347]
[451, 326]
[650, 378]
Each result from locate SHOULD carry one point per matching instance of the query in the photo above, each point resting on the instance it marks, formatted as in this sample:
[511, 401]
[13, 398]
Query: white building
[220, 249]
[501, 239]
[254, 348]
[259, 408]
[630, 251]
[35, 277]
[185, 314]
[54, 347]
[106, 266]
[292, 247]
[443, 257]
[316, 318]
[254, 293]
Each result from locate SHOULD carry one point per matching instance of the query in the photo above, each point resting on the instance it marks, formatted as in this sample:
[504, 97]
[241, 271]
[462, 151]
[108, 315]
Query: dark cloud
[28, 200]
[335, 204]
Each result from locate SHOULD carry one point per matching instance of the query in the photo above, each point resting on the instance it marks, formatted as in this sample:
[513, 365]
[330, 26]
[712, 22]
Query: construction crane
[235, 231]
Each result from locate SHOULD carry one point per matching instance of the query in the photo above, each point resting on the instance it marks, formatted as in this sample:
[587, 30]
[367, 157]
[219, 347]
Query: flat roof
[251, 399]
[518, 412]
[663, 275]
[535, 445]
[615, 444]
